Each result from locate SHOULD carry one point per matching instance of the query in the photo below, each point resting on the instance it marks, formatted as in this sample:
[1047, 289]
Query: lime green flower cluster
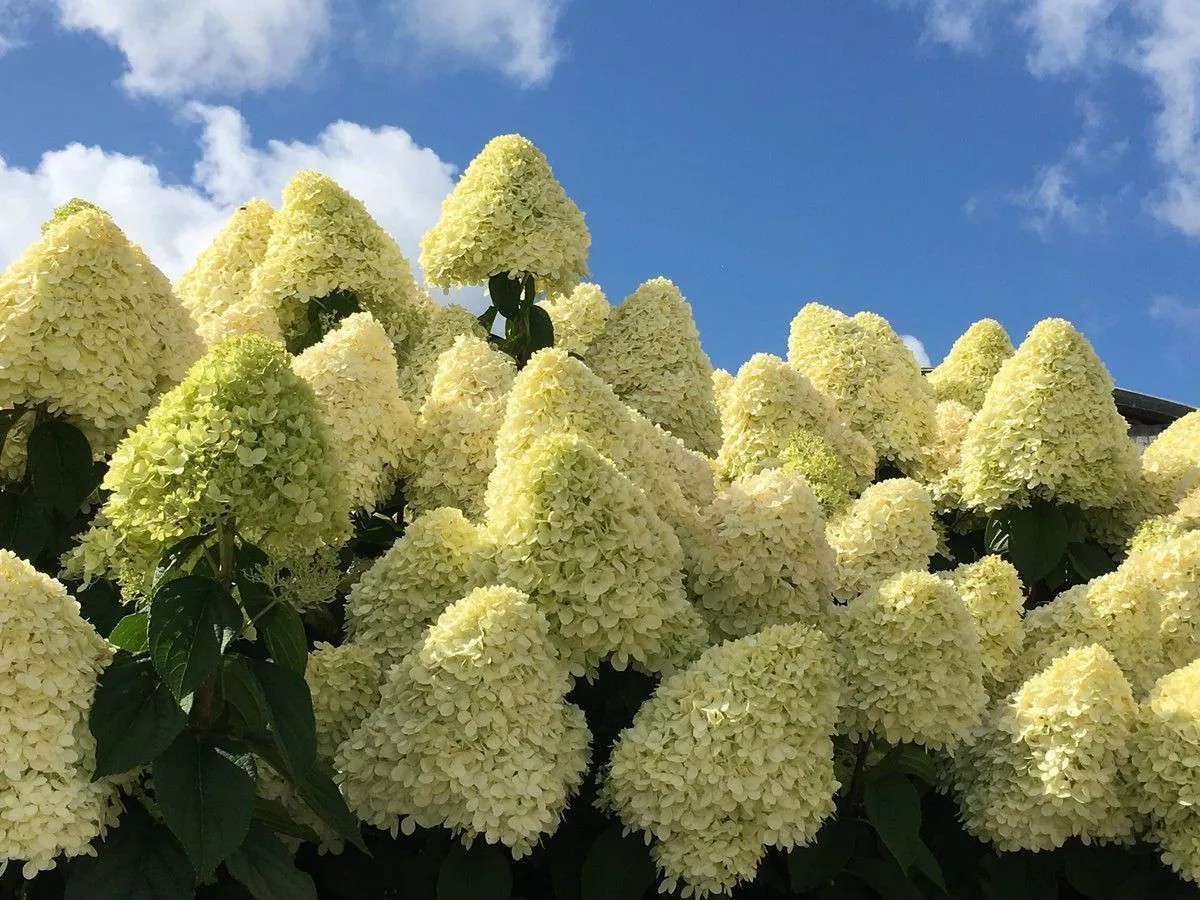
[352, 372]
[216, 289]
[323, 242]
[938, 468]
[889, 529]
[1172, 569]
[443, 325]
[731, 756]
[911, 663]
[440, 556]
[50, 659]
[1048, 429]
[861, 364]
[89, 329]
[240, 437]
[763, 559]
[578, 317]
[1051, 761]
[507, 214]
[991, 590]
[768, 404]
[722, 381]
[586, 544]
[457, 426]
[966, 373]
[650, 353]
[472, 730]
[811, 456]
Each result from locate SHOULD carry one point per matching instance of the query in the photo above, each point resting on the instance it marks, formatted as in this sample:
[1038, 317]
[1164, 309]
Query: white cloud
[918, 350]
[1066, 34]
[959, 23]
[401, 183]
[1176, 312]
[516, 36]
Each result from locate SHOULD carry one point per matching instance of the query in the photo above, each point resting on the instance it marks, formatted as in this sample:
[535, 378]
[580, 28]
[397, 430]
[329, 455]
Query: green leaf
[316, 788]
[1089, 560]
[24, 525]
[1033, 539]
[617, 867]
[505, 294]
[289, 713]
[278, 623]
[206, 795]
[268, 869]
[824, 859]
[927, 864]
[274, 815]
[133, 716]
[243, 696]
[176, 558]
[894, 810]
[541, 329]
[60, 465]
[488, 319]
[481, 873]
[130, 633]
[192, 619]
[138, 860]
[885, 878]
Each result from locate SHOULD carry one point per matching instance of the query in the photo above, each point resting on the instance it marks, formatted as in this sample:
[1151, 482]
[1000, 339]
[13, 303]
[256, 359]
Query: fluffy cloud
[917, 348]
[1175, 312]
[401, 183]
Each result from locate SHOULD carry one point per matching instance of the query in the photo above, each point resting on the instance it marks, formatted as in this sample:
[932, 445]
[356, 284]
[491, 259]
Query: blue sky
[935, 161]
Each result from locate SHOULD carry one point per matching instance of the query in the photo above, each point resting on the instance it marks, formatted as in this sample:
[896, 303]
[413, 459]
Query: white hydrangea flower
[973, 361]
[442, 325]
[578, 317]
[991, 590]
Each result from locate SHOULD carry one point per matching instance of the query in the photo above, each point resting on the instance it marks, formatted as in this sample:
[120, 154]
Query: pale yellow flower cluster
[457, 426]
[911, 663]
[1048, 429]
[324, 242]
[731, 756]
[352, 371]
[1052, 760]
[888, 530]
[722, 381]
[973, 361]
[578, 317]
[90, 329]
[441, 556]
[762, 558]
[991, 590]
[1172, 569]
[938, 468]
[650, 353]
[216, 289]
[811, 456]
[443, 325]
[586, 544]
[507, 214]
[864, 367]
[1171, 465]
[765, 408]
[50, 659]
[472, 730]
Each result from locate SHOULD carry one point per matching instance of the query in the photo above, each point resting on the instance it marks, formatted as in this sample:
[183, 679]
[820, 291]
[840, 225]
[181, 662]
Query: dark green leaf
[133, 715]
[894, 810]
[268, 870]
[481, 873]
[488, 319]
[541, 329]
[176, 558]
[192, 619]
[130, 633]
[505, 294]
[60, 465]
[137, 861]
[316, 788]
[1033, 539]
[885, 878]
[617, 867]
[101, 604]
[824, 859]
[275, 816]
[289, 713]
[243, 696]
[24, 525]
[278, 623]
[1089, 560]
[206, 795]
[926, 863]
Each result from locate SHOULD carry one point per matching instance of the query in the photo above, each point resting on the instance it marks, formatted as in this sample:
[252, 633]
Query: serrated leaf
[268, 870]
[617, 867]
[192, 619]
[824, 859]
[60, 465]
[289, 713]
[243, 696]
[130, 633]
[278, 624]
[481, 873]
[894, 810]
[133, 716]
[138, 860]
[175, 559]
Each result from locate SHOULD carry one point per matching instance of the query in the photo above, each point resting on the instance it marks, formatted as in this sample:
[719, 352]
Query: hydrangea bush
[313, 587]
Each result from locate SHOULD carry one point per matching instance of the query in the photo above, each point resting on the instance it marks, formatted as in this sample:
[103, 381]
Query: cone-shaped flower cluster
[809, 455]
[507, 214]
[50, 659]
[472, 730]
[324, 242]
[1172, 569]
[1048, 429]
[442, 325]
[216, 289]
[456, 430]
[862, 365]
[767, 405]
[344, 682]
[352, 371]
[1051, 762]
[722, 381]
[1171, 464]
[584, 542]
[730, 757]
[578, 317]
[441, 556]
[889, 529]
[991, 590]
[240, 437]
[911, 663]
[938, 468]
[650, 353]
[763, 558]
[89, 328]
[973, 361]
